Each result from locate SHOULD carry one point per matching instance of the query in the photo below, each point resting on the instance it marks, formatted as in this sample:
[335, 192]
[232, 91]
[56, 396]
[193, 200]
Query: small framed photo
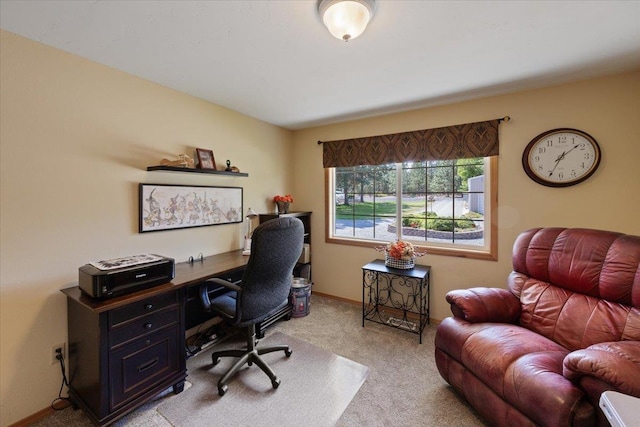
[205, 159]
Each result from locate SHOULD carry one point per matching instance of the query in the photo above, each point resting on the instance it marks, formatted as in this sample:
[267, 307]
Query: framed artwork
[205, 159]
[168, 207]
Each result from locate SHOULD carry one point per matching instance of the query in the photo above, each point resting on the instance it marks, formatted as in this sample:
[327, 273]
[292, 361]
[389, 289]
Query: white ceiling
[275, 61]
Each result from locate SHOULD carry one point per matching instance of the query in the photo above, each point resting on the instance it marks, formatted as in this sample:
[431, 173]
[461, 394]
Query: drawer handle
[150, 364]
[148, 307]
[148, 325]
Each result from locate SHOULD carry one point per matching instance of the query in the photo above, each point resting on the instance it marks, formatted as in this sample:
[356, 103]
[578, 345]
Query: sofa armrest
[615, 363]
[484, 305]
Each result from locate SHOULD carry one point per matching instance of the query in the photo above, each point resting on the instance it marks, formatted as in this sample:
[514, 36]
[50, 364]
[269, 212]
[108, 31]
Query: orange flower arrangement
[400, 250]
[287, 198]
[400, 254]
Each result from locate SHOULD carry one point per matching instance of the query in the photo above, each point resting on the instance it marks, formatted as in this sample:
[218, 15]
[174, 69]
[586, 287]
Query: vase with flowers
[400, 254]
[283, 202]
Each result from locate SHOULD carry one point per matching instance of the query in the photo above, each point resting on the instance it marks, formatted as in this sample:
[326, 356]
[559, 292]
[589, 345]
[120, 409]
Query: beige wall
[76, 138]
[606, 108]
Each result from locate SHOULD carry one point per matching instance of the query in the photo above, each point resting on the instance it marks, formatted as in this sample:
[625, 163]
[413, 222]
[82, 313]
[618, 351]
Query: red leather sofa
[541, 352]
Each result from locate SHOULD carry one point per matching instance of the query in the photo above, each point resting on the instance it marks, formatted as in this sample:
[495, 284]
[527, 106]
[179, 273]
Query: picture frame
[205, 159]
[170, 207]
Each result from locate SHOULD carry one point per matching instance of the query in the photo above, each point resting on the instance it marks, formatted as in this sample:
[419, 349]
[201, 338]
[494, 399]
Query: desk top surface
[187, 274]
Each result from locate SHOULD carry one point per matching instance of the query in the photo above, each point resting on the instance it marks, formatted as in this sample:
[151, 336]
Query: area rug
[316, 388]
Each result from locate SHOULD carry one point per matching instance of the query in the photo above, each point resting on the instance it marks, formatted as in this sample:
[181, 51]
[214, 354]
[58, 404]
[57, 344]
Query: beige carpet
[317, 386]
[404, 387]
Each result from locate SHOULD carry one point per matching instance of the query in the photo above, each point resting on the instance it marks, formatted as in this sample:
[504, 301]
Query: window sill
[431, 250]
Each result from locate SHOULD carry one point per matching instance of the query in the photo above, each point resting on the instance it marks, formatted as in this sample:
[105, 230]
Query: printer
[119, 276]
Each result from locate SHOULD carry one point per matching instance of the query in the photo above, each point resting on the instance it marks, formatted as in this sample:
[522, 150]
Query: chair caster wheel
[222, 390]
[276, 383]
[250, 363]
[215, 360]
[288, 353]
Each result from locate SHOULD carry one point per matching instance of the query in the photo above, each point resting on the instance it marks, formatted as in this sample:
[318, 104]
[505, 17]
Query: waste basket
[300, 297]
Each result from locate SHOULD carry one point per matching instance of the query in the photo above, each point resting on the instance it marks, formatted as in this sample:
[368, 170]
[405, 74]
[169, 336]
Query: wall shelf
[190, 170]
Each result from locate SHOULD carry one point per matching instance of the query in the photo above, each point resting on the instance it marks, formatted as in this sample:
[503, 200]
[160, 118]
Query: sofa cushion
[516, 364]
[578, 287]
[620, 275]
[601, 264]
[534, 384]
[574, 320]
[490, 352]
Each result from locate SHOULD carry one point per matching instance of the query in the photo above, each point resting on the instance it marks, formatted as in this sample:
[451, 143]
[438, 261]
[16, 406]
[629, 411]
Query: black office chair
[264, 289]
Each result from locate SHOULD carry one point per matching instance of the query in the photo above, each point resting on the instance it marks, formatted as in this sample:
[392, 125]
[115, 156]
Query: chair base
[249, 356]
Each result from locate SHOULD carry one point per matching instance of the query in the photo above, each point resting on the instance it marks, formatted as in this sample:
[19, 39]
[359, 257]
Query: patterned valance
[469, 140]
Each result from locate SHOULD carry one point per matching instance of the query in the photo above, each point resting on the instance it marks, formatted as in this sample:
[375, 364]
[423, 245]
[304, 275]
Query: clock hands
[561, 157]
[573, 148]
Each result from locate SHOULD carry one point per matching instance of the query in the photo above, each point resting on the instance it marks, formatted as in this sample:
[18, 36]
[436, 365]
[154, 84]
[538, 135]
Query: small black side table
[404, 293]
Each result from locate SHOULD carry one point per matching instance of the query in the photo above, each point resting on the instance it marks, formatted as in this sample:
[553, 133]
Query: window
[447, 206]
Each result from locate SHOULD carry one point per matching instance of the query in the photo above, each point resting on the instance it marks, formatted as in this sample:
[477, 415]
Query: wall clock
[561, 157]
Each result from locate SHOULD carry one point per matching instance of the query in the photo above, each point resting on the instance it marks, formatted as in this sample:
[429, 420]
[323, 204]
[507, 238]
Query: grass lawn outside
[365, 210]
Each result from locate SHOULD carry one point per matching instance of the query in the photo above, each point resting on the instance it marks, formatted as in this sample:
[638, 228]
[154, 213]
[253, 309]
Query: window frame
[488, 252]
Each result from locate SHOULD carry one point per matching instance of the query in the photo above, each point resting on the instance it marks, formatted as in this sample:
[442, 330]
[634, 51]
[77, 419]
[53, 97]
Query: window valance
[468, 140]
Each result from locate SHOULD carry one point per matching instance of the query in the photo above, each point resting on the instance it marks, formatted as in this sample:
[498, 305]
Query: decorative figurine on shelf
[183, 161]
[230, 168]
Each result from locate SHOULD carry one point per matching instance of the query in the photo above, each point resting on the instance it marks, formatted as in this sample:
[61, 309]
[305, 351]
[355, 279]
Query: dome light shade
[346, 19]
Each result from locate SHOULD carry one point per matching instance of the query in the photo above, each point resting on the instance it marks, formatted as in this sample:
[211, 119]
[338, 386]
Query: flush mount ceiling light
[346, 19]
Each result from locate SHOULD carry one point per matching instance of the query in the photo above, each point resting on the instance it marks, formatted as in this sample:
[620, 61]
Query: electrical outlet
[54, 352]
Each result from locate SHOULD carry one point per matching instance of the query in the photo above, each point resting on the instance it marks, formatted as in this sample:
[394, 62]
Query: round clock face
[561, 157]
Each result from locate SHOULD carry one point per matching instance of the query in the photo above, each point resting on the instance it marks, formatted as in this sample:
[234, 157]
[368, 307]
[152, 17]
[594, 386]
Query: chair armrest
[614, 363]
[204, 289]
[484, 305]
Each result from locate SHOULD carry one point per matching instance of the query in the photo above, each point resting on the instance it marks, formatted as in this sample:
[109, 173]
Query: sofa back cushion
[577, 286]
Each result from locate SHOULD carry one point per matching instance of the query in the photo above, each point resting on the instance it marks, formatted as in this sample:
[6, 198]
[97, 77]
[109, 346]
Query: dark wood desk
[187, 274]
[125, 350]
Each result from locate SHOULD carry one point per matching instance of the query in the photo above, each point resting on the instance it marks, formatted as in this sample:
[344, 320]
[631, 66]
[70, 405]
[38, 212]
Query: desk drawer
[143, 326]
[141, 308]
[137, 367]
